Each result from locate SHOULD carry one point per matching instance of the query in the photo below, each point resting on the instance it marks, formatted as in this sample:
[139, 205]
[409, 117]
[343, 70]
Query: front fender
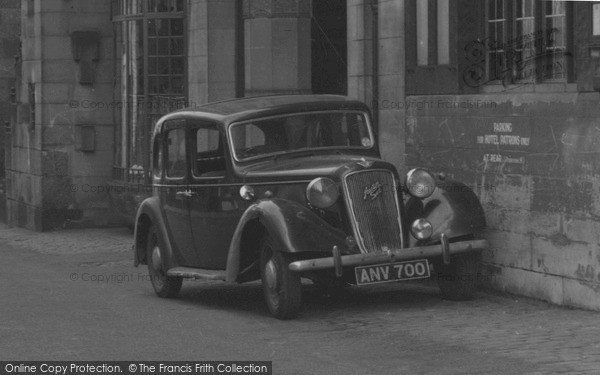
[149, 214]
[293, 227]
[453, 209]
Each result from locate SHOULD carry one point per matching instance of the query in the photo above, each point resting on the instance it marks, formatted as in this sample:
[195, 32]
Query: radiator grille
[371, 196]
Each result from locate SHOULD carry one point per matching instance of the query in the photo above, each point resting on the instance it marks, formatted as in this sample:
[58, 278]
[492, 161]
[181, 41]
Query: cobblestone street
[74, 295]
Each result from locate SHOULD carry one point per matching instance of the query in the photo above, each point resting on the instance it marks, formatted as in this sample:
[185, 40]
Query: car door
[213, 208]
[175, 193]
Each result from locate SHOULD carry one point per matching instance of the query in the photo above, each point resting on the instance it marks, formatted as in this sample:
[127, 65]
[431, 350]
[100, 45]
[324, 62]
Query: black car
[283, 187]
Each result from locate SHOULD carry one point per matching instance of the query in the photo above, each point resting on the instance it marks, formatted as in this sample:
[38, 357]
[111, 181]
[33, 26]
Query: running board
[197, 273]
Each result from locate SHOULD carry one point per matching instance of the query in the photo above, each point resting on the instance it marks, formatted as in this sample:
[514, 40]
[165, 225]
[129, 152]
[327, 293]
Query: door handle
[185, 193]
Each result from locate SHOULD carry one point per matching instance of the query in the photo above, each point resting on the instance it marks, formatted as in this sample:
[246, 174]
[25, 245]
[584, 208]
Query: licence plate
[385, 273]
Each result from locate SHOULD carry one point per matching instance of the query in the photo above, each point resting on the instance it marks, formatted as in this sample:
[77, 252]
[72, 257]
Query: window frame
[173, 127]
[158, 156]
[368, 123]
[435, 72]
[508, 78]
[194, 146]
[137, 149]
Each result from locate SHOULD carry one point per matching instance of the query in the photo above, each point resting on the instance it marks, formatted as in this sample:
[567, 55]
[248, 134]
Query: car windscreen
[296, 132]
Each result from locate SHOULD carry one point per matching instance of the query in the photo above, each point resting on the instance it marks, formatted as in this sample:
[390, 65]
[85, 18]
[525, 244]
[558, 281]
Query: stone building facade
[57, 143]
[95, 76]
[503, 95]
[506, 98]
[10, 20]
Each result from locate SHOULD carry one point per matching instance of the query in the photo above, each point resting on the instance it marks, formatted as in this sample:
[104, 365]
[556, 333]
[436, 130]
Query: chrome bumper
[337, 261]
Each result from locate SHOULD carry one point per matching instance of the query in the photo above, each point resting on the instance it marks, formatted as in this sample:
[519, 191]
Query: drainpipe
[375, 61]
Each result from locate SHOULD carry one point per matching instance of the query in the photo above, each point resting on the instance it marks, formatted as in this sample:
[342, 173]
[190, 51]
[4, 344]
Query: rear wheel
[458, 280]
[281, 287]
[164, 286]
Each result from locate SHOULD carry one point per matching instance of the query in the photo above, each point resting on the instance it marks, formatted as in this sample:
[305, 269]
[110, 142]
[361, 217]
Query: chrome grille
[373, 205]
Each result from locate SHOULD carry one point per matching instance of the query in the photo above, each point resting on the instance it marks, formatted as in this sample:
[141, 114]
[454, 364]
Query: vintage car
[281, 188]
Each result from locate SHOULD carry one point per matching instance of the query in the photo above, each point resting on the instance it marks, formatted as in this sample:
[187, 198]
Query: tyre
[458, 280]
[281, 287]
[164, 286]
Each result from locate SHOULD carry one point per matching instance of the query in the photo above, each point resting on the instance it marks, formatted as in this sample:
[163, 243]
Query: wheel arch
[293, 228]
[142, 228]
[453, 209]
[148, 216]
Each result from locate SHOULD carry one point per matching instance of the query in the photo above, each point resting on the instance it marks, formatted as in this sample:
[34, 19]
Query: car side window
[210, 154]
[157, 161]
[176, 164]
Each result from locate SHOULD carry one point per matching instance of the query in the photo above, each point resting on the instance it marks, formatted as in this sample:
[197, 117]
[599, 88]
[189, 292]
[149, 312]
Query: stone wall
[534, 161]
[10, 20]
[212, 59]
[63, 140]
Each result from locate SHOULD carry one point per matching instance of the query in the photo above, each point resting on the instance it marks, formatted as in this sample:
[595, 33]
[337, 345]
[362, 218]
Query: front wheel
[458, 280]
[164, 286]
[281, 287]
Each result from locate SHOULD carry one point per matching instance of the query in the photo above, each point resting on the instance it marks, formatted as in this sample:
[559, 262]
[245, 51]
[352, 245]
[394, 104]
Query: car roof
[241, 109]
[234, 106]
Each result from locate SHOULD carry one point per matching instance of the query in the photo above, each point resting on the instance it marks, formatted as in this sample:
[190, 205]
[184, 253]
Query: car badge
[365, 163]
[371, 192]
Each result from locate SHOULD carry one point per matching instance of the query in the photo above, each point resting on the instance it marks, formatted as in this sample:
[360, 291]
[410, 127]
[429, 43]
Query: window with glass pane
[158, 158]
[210, 157]
[150, 51]
[496, 39]
[163, 6]
[165, 56]
[525, 39]
[555, 26]
[176, 162]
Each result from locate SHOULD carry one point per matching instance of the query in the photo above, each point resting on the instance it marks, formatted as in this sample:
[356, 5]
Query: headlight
[247, 192]
[322, 192]
[420, 183]
[421, 229]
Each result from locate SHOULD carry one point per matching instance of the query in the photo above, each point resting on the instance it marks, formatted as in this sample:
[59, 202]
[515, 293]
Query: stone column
[391, 76]
[360, 44]
[212, 50]
[277, 46]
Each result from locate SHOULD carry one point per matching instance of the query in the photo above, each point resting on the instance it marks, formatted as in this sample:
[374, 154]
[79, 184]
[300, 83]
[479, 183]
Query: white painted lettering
[385, 271]
[420, 269]
[409, 270]
[399, 267]
[364, 276]
[503, 127]
[374, 274]
[490, 139]
[512, 140]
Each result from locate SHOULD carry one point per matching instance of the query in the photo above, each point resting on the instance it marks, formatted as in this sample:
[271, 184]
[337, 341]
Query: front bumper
[444, 250]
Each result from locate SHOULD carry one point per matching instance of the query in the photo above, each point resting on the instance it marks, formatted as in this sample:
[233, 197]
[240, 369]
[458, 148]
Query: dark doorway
[329, 51]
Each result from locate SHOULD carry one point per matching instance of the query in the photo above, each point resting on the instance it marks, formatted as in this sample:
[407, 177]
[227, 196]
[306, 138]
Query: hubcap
[271, 275]
[156, 259]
